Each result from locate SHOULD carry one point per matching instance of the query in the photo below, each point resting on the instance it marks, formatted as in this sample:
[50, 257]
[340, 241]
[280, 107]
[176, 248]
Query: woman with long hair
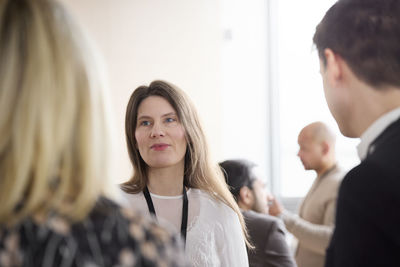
[174, 179]
[55, 152]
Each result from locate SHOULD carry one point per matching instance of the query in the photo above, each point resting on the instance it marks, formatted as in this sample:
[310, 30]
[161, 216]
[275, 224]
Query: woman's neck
[165, 181]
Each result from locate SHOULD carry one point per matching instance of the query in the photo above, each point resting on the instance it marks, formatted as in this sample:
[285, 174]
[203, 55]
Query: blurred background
[248, 65]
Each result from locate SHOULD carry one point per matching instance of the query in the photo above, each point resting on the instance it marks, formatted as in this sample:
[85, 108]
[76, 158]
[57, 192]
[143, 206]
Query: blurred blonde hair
[55, 144]
[199, 171]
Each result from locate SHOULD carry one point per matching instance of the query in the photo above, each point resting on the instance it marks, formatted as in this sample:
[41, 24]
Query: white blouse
[214, 234]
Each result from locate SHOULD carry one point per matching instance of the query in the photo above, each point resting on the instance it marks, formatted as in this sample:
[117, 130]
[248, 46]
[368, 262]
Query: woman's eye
[169, 120]
[144, 123]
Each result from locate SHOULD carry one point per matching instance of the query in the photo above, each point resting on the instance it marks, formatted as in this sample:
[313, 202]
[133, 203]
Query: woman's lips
[159, 147]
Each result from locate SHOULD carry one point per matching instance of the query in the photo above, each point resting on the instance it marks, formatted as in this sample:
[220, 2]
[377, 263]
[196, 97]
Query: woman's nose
[157, 131]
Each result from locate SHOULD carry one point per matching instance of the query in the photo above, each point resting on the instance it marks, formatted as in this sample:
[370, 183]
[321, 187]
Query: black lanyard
[184, 209]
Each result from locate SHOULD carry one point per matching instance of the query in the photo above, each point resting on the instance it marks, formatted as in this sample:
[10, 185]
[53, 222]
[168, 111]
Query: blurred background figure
[314, 225]
[266, 232]
[55, 152]
[175, 180]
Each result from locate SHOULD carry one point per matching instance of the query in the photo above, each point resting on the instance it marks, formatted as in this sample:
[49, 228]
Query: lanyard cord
[184, 210]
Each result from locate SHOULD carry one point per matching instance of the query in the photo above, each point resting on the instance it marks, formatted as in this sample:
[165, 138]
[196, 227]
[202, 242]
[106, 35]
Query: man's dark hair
[238, 173]
[366, 34]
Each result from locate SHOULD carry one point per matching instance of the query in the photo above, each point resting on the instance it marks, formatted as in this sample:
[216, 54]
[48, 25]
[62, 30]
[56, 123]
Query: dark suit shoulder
[371, 193]
[367, 229]
[264, 220]
[370, 179]
[268, 236]
[384, 150]
[367, 218]
[259, 216]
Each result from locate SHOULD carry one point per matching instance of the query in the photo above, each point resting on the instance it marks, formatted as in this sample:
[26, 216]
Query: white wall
[143, 40]
[245, 83]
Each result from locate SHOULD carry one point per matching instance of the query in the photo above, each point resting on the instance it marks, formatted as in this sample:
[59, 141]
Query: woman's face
[160, 136]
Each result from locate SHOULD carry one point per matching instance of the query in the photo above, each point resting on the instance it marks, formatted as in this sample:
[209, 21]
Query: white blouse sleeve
[231, 245]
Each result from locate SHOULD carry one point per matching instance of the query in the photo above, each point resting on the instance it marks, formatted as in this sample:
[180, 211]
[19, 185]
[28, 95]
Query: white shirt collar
[374, 130]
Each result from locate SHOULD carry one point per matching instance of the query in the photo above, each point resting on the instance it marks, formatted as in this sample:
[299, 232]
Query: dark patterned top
[109, 236]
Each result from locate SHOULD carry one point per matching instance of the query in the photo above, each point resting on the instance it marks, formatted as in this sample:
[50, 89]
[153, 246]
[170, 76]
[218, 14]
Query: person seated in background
[314, 225]
[55, 156]
[266, 232]
[174, 179]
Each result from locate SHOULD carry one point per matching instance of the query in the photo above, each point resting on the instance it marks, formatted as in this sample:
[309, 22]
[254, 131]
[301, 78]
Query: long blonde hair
[199, 171]
[54, 130]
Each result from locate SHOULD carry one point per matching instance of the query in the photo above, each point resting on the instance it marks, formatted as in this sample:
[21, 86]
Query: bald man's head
[318, 132]
[317, 146]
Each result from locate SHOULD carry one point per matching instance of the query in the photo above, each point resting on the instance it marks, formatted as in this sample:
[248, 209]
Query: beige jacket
[313, 226]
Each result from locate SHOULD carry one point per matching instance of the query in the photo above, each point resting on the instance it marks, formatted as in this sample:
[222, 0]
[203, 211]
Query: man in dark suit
[266, 232]
[359, 48]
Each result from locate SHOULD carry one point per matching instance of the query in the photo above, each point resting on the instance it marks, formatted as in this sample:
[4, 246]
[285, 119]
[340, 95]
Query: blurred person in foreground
[266, 232]
[314, 224]
[55, 152]
[358, 45]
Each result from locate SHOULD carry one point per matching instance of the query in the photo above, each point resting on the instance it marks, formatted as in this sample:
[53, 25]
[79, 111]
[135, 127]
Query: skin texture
[316, 147]
[354, 104]
[337, 96]
[310, 151]
[158, 124]
[261, 197]
[255, 199]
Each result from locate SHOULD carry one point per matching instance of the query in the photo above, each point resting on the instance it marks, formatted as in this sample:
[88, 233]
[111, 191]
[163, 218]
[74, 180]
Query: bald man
[313, 226]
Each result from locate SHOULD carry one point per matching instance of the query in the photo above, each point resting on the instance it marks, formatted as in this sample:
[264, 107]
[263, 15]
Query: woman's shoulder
[211, 205]
[130, 195]
[202, 196]
[131, 199]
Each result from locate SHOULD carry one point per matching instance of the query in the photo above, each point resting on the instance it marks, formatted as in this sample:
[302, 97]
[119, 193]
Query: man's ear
[333, 68]
[246, 196]
[325, 147]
